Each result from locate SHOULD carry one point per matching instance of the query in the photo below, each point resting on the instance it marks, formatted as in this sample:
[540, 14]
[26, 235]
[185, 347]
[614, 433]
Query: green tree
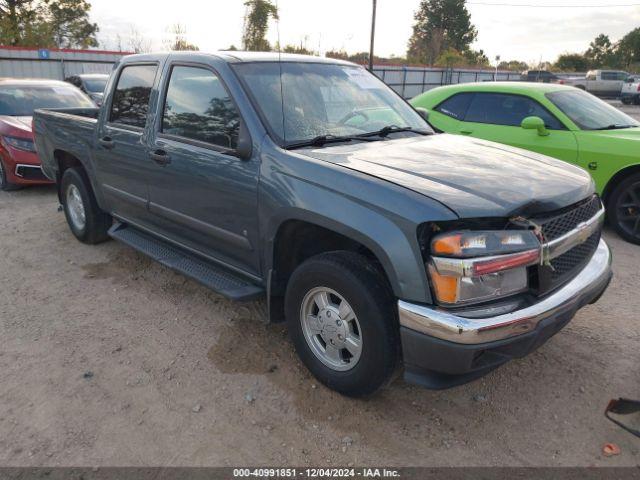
[451, 58]
[256, 24]
[601, 52]
[179, 42]
[47, 23]
[629, 48]
[440, 25]
[572, 62]
[513, 65]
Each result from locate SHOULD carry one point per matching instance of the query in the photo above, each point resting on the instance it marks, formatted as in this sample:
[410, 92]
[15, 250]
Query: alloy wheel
[75, 207]
[628, 210]
[331, 329]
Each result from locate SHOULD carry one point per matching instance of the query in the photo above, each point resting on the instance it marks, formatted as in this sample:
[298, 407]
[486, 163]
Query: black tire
[5, 186]
[636, 100]
[364, 287]
[626, 100]
[97, 222]
[623, 208]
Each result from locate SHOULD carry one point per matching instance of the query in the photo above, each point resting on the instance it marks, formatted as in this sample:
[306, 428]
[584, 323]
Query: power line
[529, 5]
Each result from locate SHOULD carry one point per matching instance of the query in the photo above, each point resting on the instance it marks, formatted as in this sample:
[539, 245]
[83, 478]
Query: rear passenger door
[121, 158]
[498, 116]
[201, 194]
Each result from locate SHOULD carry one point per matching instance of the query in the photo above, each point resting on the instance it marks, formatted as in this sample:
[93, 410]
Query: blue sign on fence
[44, 54]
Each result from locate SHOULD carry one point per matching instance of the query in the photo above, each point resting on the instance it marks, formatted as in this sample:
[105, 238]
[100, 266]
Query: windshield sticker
[362, 78]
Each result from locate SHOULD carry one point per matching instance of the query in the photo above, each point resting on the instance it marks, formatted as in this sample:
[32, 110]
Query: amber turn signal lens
[446, 288]
[447, 245]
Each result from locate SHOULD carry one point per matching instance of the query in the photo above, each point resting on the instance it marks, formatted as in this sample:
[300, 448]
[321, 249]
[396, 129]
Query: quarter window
[131, 97]
[455, 106]
[198, 107]
[509, 110]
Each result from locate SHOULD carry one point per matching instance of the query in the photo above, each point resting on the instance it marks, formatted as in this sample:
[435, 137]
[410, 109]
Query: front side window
[589, 112]
[22, 100]
[456, 106]
[198, 107]
[508, 110]
[300, 101]
[131, 97]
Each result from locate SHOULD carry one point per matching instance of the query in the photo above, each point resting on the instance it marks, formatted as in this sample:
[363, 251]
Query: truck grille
[569, 218]
[567, 265]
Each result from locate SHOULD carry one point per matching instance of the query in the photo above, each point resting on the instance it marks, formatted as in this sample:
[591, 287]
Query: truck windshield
[21, 101]
[589, 112]
[316, 100]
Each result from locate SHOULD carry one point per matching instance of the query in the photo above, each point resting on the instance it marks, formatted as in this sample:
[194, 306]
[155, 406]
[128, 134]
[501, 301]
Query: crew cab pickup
[308, 182]
[603, 83]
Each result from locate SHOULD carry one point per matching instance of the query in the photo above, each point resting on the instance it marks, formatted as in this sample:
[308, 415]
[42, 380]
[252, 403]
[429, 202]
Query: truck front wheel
[342, 321]
[87, 222]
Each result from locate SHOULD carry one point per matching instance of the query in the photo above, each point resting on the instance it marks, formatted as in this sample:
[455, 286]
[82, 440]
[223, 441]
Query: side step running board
[222, 281]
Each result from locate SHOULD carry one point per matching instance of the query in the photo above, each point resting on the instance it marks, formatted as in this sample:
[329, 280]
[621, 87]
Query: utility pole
[373, 35]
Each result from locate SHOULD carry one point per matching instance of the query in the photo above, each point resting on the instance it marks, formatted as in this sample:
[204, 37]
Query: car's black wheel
[4, 184]
[636, 100]
[623, 208]
[343, 323]
[626, 100]
[88, 223]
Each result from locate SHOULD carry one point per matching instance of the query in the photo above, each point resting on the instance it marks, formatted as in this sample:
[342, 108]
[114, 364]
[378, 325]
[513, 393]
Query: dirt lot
[110, 359]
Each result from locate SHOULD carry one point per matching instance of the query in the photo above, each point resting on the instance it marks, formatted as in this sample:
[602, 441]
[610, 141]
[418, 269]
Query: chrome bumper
[586, 286]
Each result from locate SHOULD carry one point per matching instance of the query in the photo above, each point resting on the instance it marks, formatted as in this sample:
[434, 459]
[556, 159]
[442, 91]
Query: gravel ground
[108, 358]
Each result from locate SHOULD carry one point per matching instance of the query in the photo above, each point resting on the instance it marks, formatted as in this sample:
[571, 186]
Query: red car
[19, 163]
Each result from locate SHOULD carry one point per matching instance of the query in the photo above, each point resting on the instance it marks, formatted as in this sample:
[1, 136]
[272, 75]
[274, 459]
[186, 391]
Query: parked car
[309, 182]
[555, 120]
[543, 76]
[92, 84]
[631, 91]
[603, 83]
[19, 163]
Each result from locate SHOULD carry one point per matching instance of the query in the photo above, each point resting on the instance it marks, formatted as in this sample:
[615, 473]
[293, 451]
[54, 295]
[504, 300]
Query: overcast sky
[523, 33]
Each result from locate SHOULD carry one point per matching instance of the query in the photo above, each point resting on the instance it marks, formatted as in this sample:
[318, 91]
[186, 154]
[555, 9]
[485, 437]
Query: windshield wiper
[321, 140]
[385, 131]
[615, 126]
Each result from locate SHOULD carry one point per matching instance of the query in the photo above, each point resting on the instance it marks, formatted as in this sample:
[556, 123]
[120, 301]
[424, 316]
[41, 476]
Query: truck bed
[71, 130]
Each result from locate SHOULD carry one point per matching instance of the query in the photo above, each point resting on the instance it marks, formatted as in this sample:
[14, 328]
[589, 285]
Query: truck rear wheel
[342, 321]
[87, 222]
[623, 209]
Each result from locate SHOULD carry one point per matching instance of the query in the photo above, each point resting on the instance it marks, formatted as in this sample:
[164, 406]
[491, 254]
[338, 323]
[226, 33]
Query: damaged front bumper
[441, 349]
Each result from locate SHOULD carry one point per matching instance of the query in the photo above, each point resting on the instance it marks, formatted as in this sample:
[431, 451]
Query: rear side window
[131, 97]
[456, 106]
[508, 110]
[198, 107]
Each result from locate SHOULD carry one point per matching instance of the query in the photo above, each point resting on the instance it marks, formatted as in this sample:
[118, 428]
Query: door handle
[160, 157]
[466, 132]
[107, 142]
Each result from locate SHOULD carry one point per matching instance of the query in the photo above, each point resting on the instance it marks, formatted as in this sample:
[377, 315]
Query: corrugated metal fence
[56, 64]
[412, 81]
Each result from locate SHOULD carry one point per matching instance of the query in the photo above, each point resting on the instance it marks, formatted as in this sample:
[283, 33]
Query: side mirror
[245, 145]
[424, 113]
[535, 123]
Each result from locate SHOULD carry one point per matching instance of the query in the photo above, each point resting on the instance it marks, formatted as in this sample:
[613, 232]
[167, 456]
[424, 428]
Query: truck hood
[472, 177]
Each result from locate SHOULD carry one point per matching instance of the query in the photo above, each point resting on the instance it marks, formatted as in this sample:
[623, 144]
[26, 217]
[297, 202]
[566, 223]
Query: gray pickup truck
[310, 183]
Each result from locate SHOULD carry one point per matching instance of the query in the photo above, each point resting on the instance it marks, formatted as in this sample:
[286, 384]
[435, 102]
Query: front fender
[387, 227]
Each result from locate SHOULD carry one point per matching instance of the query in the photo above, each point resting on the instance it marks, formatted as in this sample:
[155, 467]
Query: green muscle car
[555, 120]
